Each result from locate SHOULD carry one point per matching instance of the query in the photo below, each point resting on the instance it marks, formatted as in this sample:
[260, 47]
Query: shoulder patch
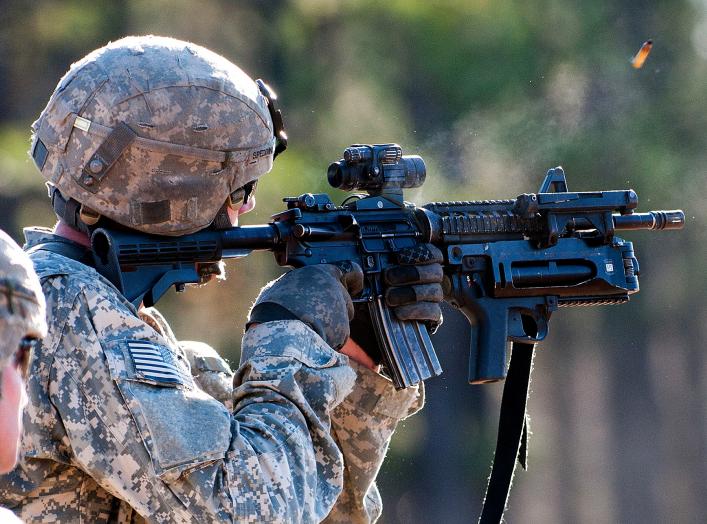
[156, 363]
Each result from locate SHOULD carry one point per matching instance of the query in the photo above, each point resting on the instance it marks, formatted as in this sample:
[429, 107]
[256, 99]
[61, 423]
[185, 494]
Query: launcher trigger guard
[528, 325]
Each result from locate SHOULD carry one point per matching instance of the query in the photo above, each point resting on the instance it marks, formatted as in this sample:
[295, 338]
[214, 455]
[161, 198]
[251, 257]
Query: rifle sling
[512, 441]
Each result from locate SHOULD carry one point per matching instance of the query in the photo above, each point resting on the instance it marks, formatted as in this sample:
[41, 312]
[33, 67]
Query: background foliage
[491, 94]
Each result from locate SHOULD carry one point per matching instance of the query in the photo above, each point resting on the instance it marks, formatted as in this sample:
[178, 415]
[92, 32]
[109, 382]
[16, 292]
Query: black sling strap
[512, 442]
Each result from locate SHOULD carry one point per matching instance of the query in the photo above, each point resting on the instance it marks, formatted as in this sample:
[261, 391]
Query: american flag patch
[158, 363]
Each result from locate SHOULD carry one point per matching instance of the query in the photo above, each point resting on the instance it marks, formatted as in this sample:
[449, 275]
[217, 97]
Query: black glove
[319, 296]
[412, 289]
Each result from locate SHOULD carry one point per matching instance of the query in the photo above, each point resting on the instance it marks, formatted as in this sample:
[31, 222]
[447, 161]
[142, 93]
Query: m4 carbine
[508, 263]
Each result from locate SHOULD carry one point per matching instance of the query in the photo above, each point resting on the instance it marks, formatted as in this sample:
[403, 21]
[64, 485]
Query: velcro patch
[39, 153]
[157, 363]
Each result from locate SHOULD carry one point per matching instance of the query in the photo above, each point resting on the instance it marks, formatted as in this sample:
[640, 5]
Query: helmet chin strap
[222, 220]
[70, 211]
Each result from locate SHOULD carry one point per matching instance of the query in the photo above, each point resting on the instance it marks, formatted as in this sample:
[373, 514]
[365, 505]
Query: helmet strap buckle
[88, 216]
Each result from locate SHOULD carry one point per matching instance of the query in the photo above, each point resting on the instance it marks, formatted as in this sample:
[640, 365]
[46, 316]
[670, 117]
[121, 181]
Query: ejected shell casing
[640, 58]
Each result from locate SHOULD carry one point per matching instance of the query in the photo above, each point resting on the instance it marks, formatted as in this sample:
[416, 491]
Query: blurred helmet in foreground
[22, 309]
[155, 134]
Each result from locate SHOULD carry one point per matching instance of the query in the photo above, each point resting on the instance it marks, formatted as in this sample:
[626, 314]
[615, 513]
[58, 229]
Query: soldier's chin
[210, 271]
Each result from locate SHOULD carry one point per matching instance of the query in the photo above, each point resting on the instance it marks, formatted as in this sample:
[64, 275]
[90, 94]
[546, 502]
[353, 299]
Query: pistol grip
[405, 346]
[495, 322]
[489, 341]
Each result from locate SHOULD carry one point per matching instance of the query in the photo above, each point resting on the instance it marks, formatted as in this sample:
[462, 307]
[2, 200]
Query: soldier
[125, 423]
[22, 322]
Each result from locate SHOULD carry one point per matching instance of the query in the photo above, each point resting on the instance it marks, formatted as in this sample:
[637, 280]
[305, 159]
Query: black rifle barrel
[653, 220]
[250, 237]
[656, 220]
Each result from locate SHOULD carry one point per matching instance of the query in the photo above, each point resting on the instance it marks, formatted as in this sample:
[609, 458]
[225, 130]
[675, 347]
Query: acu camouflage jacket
[119, 429]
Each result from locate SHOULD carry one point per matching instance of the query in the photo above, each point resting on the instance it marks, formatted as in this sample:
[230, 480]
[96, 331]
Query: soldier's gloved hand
[412, 289]
[319, 296]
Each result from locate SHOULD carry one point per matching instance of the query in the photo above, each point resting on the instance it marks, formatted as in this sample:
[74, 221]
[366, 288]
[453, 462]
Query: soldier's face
[12, 402]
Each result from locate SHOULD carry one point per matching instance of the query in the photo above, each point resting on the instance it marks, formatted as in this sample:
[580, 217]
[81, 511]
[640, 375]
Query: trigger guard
[516, 329]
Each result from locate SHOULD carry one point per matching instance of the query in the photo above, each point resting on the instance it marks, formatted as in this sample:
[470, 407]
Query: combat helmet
[155, 134]
[22, 308]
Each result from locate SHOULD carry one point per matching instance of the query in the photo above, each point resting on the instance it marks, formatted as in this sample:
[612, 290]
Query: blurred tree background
[491, 94]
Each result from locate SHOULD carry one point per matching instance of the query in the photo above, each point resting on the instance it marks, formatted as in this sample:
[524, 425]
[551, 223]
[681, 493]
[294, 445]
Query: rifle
[508, 263]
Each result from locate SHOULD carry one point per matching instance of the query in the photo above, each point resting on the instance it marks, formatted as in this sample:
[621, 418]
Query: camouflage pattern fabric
[21, 299]
[362, 426]
[211, 372]
[21, 312]
[319, 296]
[187, 129]
[117, 429]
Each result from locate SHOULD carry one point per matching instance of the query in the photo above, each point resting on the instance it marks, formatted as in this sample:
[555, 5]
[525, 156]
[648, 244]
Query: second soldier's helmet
[155, 134]
[22, 307]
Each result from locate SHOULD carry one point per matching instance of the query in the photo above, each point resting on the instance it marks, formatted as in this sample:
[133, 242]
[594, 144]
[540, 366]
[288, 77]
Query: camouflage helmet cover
[154, 133]
[22, 309]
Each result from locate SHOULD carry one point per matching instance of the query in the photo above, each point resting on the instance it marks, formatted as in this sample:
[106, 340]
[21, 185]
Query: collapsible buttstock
[405, 346]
